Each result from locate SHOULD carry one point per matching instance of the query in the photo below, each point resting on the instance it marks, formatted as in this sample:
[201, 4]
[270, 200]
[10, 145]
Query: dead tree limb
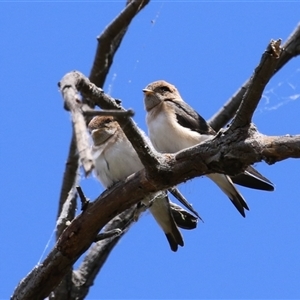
[290, 49]
[73, 103]
[258, 81]
[98, 253]
[230, 152]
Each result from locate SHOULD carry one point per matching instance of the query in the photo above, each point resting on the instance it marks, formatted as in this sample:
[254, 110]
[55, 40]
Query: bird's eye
[165, 89]
[108, 120]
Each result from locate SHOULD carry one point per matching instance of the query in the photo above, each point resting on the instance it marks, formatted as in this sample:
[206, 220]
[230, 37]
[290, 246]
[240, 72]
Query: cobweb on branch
[281, 93]
[132, 72]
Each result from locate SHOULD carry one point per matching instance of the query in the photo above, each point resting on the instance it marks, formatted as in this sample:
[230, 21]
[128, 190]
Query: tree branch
[233, 153]
[115, 113]
[70, 176]
[258, 81]
[291, 49]
[73, 103]
[85, 275]
[110, 40]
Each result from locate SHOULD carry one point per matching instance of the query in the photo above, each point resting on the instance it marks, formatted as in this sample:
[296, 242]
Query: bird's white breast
[115, 161]
[167, 135]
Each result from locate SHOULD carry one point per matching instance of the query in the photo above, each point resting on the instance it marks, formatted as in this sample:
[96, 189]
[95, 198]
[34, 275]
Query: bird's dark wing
[189, 118]
[251, 178]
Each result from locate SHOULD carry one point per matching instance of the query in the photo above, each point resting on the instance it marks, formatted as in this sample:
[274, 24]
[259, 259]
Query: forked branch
[291, 49]
[229, 153]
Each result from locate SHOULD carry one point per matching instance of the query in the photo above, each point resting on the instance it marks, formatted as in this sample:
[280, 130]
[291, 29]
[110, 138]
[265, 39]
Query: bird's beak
[94, 131]
[100, 135]
[147, 92]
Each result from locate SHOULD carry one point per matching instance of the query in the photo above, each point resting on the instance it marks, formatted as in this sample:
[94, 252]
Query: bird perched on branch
[116, 159]
[173, 126]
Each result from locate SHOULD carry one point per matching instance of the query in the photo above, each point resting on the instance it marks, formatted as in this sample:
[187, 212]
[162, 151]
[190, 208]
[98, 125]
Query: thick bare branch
[73, 103]
[258, 81]
[85, 275]
[232, 153]
[291, 49]
[280, 148]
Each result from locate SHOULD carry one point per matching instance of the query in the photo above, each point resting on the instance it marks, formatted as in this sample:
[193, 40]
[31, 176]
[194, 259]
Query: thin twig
[64, 218]
[70, 178]
[108, 234]
[113, 112]
[84, 201]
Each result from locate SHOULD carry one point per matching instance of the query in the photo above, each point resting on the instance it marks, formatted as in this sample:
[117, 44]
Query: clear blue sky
[207, 49]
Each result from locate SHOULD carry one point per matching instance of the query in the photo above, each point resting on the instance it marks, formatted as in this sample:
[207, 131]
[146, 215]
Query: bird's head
[159, 91]
[102, 128]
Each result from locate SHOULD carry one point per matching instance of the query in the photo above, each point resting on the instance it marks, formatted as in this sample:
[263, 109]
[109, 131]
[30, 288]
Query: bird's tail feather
[161, 211]
[225, 184]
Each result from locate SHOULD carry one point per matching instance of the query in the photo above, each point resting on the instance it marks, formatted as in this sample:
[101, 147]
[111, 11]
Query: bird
[115, 159]
[173, 125]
